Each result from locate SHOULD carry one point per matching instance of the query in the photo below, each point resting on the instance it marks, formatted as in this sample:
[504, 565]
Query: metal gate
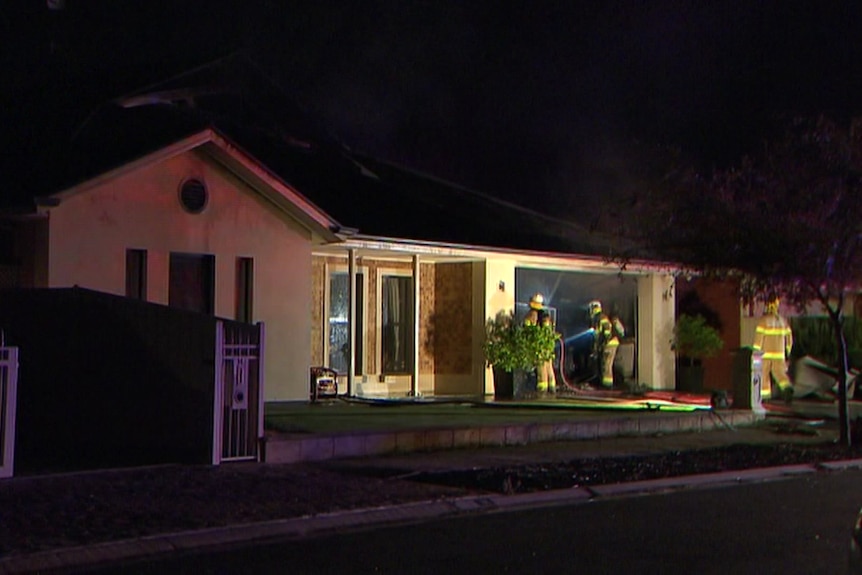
[238, 405]
[8, 404]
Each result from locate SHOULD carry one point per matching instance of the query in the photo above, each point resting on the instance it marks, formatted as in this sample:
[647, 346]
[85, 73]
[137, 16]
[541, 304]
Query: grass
[334, 416]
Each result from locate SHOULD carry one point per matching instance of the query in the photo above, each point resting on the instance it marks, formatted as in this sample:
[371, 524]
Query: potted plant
[693, 341]
[511, 346]
[503, 352]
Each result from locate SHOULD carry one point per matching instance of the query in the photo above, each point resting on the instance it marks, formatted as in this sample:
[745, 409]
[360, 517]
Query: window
[193, 196]
[10, 266]
[244, 289]
[568, 294]
[7, 246]
[339, 322]
[396, 309]
[192, 282]
[136, 274]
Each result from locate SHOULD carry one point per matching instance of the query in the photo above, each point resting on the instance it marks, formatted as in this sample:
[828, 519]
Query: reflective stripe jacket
[773, 337]
[607, 337]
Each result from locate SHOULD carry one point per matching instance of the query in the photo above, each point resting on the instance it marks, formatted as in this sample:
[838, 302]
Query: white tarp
[813, 378]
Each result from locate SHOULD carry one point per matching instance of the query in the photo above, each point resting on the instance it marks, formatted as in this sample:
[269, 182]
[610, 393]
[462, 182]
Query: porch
[400, 319]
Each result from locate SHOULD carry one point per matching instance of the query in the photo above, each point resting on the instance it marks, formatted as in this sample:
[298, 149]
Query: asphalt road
[797, 525]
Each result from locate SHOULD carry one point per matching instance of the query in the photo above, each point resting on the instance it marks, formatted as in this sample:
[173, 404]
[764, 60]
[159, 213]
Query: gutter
[443, 249]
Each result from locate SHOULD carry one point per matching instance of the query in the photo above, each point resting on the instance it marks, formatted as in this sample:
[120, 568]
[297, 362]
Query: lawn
[333, 416]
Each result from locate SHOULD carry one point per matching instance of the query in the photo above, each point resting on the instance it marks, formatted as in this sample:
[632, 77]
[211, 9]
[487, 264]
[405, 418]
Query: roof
[407, 204]
[376, 198]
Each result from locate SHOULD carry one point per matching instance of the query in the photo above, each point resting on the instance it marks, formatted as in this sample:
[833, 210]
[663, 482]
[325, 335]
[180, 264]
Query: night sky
[546, 105]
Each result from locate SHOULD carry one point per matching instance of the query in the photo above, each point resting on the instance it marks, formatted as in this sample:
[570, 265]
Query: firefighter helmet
[537, 302]
[595, 307]
[772, 305]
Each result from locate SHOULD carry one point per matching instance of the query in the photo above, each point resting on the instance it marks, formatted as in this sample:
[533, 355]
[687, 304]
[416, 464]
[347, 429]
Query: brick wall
[318, 285]
[427, 312]
[453, 318]
[721, 298]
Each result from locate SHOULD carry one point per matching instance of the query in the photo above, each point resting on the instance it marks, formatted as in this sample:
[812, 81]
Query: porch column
[656, 360]
[351, 319]
[414, 380]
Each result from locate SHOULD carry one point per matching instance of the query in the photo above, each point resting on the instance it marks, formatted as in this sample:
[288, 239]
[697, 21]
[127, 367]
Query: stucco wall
[499, 295]
[656, 361]
[91, 230]
[30, 254]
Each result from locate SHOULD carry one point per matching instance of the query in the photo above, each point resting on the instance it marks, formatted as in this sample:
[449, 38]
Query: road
[798, 525]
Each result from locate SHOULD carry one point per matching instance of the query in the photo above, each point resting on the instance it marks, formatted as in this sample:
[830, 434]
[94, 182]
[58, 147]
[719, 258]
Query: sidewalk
[69, 522]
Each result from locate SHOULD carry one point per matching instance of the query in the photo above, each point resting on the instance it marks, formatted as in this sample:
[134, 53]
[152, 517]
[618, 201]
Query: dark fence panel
[106, 381]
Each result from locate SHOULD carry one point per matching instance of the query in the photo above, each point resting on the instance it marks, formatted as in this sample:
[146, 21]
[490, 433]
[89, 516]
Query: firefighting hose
[562, 370]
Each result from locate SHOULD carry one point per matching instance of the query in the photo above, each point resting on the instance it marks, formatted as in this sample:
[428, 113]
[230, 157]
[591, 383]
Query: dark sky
[546, 104]
[557, 100]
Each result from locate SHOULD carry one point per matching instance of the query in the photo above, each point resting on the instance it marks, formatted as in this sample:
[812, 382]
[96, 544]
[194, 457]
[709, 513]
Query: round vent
[193, 196]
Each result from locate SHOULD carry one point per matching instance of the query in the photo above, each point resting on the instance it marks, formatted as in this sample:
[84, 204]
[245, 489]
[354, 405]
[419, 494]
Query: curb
[297, 527]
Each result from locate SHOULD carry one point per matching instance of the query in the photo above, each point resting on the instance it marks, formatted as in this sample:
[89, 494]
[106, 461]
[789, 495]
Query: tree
[786, 220]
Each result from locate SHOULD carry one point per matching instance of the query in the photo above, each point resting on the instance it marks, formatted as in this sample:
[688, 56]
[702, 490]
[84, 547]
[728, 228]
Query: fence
[106, 381]
[238, 405]
[8, 406]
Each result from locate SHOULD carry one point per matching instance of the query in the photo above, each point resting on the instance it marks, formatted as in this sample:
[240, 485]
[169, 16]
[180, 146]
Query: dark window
[339, 323]
[397, 324]
[136, 274]
[567, 295]
[192, 282]
[244, 289]
[7, 247]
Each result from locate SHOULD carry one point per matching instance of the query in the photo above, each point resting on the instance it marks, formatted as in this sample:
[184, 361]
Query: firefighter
[546, 381]
[775, 339]
[606, 342]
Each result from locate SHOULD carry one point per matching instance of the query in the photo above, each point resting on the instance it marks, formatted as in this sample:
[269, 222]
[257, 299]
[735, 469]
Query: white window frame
[329, 270]
[381, 272]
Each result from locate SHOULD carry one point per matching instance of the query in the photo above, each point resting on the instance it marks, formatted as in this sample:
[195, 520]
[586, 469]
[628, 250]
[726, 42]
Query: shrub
[694, 339]
[510, 345]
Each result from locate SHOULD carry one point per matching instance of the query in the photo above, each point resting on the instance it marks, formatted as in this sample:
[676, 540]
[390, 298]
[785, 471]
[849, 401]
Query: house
[226, 202]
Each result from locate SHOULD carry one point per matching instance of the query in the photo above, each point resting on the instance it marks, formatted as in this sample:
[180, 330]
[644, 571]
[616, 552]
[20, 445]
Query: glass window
[397, 324]
[7, 247]
[568, 294]
[339, 322]
[244, 289]
[136, 274]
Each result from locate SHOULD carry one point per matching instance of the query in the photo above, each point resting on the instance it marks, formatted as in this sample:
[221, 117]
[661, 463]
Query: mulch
[49, 512]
